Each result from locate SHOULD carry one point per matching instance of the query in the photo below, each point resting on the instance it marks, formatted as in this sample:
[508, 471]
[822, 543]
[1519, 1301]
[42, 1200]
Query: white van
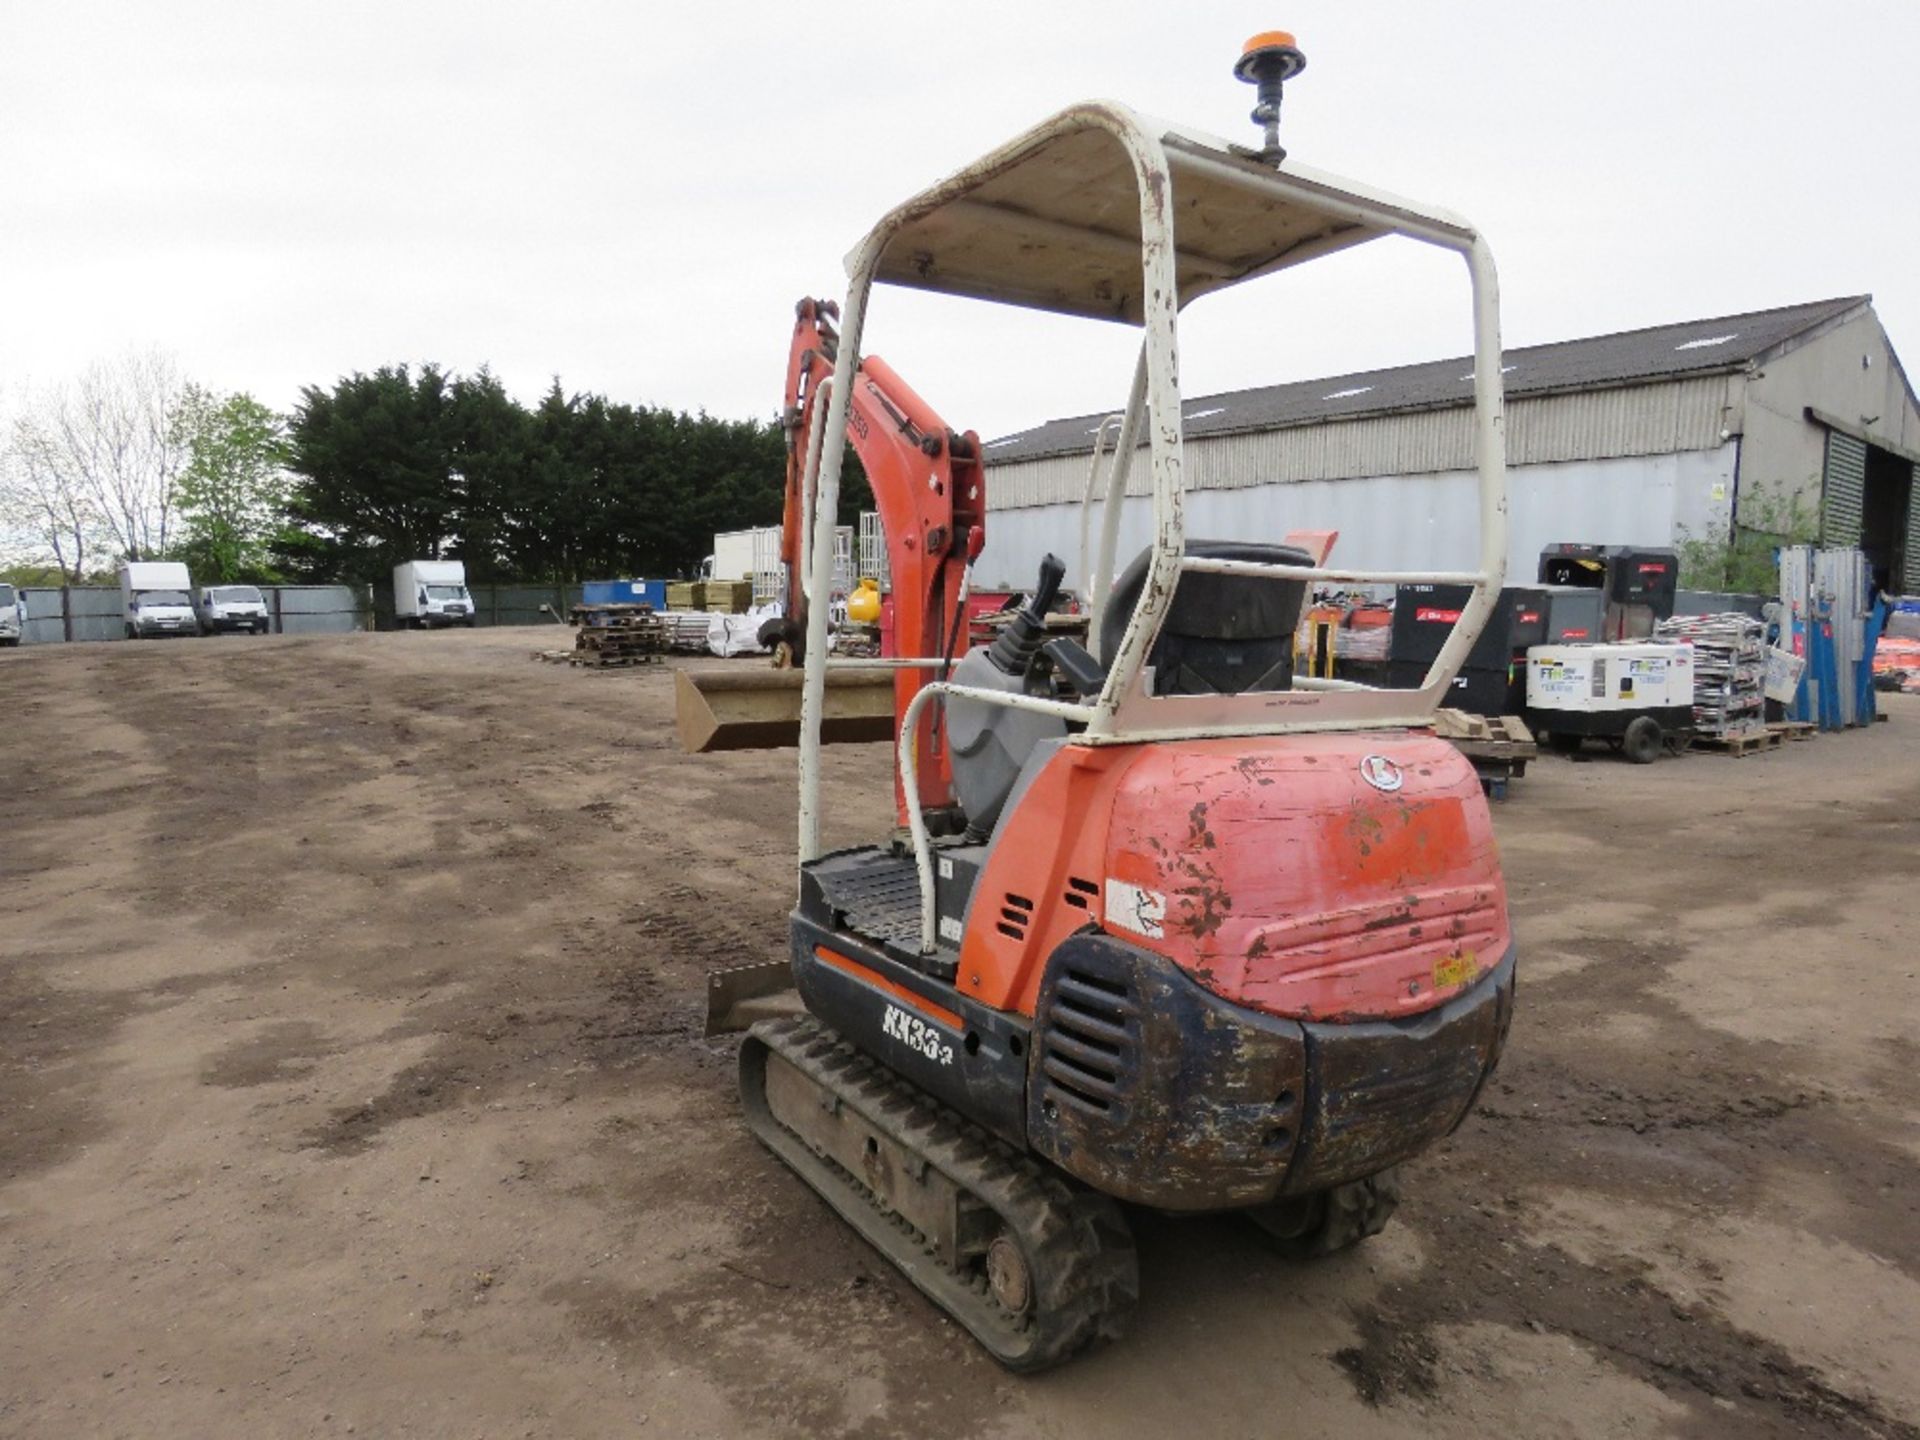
[232, 607]
[156, 598]
[13, 615]
[431, 592]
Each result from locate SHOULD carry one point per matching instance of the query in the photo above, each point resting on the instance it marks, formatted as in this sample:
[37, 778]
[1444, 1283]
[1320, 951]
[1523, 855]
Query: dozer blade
[740, 997]
[759, 709]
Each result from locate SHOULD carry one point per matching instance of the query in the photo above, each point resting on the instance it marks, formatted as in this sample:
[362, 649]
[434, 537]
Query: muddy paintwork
[1281, 878]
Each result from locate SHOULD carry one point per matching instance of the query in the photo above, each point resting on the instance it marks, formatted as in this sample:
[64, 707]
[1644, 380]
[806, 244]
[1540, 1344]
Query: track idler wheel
[1331, 1221]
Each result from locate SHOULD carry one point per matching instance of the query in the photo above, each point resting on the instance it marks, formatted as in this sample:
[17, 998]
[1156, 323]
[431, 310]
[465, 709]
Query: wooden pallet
[618, 635]
[605, 659]
[1457, 725]
[1794, 729]
[1739, 745]
[1499, 746]
[598, 659]
[616, 616]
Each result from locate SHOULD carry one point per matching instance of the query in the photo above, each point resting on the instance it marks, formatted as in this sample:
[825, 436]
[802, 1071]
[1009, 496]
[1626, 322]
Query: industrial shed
[1646, 437]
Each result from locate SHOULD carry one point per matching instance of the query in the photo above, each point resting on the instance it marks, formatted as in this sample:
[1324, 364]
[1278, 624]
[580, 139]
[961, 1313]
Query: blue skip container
[625, 592]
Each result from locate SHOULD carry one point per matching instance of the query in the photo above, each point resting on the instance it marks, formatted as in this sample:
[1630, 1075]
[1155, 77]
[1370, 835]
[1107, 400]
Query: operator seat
[1226, 634]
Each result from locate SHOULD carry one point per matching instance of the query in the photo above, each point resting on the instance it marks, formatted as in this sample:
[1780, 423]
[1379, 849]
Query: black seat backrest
[1226, 634]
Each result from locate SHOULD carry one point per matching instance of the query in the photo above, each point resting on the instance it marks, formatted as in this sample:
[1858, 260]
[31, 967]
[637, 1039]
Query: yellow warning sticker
[1455, 969]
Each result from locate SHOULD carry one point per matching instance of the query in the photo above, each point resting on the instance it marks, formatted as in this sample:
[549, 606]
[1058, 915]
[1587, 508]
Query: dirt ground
[351, 1083]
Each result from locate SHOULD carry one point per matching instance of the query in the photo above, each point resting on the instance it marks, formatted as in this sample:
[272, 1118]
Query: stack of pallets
[1729, 672]
[617, 635]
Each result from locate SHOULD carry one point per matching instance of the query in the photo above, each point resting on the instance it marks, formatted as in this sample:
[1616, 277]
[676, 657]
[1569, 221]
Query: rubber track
[1078, 1248]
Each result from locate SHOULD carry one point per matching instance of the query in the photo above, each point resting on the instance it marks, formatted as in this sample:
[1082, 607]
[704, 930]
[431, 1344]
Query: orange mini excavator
[1164, 923]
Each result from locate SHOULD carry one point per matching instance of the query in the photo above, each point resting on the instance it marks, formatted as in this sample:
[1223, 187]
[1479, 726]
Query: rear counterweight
[1149, 1087]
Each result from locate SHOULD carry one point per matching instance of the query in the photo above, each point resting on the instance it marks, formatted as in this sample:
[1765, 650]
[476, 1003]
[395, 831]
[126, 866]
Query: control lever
[1086, 674]
[1013, 651]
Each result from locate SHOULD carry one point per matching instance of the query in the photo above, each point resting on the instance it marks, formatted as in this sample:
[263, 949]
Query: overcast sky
[632, 196]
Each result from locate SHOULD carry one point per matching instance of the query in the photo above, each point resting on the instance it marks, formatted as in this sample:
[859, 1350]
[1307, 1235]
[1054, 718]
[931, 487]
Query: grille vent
[1080, 893]
[1016, 913]
[1089, 1054]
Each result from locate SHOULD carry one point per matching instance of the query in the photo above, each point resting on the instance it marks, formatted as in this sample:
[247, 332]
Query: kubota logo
[1381, 773]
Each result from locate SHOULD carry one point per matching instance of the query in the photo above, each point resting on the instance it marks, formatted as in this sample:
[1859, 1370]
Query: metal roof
[1662, 352]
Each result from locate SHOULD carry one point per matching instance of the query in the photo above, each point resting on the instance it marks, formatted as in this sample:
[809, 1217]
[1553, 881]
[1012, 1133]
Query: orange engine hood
[1341, 876]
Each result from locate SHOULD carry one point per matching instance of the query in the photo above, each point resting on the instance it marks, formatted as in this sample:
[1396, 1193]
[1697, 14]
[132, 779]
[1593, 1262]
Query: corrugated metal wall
[1656, 419]
[1409, 522]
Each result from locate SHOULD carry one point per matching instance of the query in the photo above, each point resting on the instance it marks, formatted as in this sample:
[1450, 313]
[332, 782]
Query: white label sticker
[1136, 908]
[946, 868]
[914, 1032]
[950, 928]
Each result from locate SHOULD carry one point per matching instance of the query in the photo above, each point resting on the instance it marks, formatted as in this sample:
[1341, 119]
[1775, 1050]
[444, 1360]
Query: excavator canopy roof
[1054, 221]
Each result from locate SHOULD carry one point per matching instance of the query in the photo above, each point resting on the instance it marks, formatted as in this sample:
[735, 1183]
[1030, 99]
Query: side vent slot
[1016, 914]
[1080, 893]
[1089, 1059]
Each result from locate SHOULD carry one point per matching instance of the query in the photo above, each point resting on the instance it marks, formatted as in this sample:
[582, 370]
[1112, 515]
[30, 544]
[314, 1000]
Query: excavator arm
[930, 490]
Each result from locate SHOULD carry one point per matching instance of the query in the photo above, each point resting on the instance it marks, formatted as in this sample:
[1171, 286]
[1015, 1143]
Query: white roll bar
[1303, 214]
[1083, 575]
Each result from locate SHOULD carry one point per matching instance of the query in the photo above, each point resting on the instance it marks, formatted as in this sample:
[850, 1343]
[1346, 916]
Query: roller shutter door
[1910, 553]
[1844, 491]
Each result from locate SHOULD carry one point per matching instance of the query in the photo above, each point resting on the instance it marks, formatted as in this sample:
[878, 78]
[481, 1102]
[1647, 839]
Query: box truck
[430, 593]
[733, 552]
[232, 607]
[156, 596]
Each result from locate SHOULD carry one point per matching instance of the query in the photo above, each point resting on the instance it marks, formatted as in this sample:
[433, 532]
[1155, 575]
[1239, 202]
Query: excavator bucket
[759, 709]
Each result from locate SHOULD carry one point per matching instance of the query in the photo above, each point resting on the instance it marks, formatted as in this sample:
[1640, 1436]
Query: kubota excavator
[1168, 925]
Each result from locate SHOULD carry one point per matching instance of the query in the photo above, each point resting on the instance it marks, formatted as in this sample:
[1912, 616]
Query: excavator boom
[929, 488]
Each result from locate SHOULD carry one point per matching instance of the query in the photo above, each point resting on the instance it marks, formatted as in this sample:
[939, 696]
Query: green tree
[397, 466]
[377, 480]
[231, 490]
[1744, 560]
[487, 435]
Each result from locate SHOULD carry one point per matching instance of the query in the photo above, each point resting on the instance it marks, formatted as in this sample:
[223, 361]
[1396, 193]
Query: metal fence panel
[44, 625]
[315, 609]
[93, 612]
[520, 604]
